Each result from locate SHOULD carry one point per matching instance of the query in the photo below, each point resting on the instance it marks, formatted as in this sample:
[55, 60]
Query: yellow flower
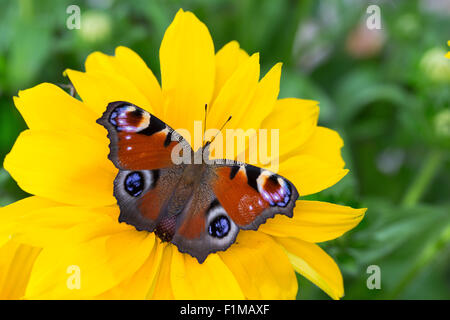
[72, 219]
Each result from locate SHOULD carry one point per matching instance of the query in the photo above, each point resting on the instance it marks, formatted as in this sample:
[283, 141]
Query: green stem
[426, 256]
[415, 192]
[423, 179]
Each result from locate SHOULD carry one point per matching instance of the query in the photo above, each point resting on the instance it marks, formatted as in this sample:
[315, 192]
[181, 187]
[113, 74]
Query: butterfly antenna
[228, 120]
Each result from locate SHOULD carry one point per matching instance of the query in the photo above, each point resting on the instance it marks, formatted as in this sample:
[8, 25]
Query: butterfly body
[199, 207]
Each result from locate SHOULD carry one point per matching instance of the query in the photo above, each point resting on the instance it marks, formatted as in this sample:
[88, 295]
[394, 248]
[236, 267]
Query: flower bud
[95, 26]
[435, 66]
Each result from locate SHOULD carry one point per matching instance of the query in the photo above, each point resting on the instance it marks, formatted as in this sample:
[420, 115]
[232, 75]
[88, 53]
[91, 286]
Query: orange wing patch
[241, 201]
[139, 152]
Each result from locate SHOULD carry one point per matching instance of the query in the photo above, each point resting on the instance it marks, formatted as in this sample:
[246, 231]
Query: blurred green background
[386, 91]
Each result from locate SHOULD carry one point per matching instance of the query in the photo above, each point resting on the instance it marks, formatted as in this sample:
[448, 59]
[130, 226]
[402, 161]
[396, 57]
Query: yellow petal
[25, 205]
[325, 144]
[310, 174]
[48, 107]
[314, 221]
[228, 59]
[48, 227]
[98, 89]
[127, 64]
[16, 262]
[162, 289]
[263, 101]
[261, 267]
[138, 286]
[233, 100]
[315, 264]
[260, 106]
[235, 95]
[187, 70]
[99, 264]
[210, 280]
[317, 165]
[11, 213]
[63, 167]
[296, 120]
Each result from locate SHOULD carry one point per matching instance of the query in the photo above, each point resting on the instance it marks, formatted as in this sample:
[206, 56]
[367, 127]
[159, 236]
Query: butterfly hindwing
[143, 195]
[204, 226]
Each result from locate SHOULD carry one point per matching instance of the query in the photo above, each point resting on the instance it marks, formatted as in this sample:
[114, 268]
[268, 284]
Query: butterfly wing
[139, 140]
[204, 226]
[231, 197]
[251, 195]
[144, 195]
[141, 148]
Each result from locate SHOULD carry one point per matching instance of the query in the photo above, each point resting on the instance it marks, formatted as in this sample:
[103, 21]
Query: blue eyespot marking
[276, 191]
[134, 183]
[219, 227]
[113, 117]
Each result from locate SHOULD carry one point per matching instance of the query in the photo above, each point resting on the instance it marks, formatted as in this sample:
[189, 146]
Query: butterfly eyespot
[134, 183]
[219, 227]
[128, 118]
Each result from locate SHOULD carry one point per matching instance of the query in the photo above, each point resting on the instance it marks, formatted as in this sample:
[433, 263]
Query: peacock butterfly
[200, 208]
